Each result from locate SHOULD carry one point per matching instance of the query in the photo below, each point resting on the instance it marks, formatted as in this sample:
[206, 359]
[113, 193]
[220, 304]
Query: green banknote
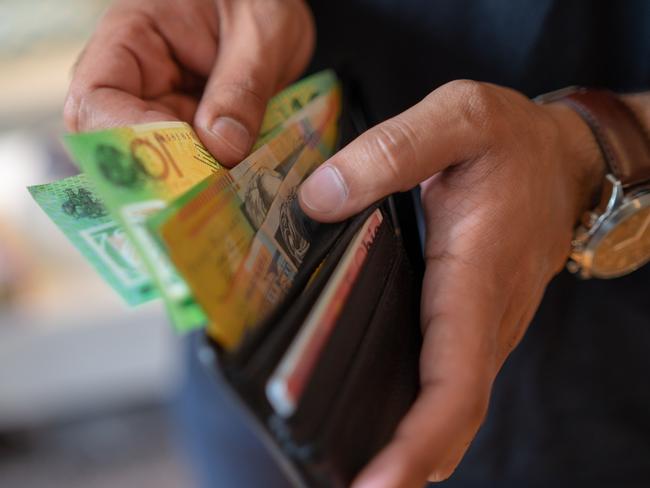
[138, 170]
[74, 207]
[291, 100]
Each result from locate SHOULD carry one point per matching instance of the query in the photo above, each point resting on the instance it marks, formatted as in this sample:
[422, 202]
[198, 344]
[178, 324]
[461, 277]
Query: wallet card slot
[251, 365]
[338, 354]
[379, 385]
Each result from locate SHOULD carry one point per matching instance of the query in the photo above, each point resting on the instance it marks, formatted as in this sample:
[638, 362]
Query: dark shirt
[572, 403]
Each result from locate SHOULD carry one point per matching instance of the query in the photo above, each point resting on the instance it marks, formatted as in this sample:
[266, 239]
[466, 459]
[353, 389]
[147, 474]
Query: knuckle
[133, 31]
[271, 18]
[393, 143]
[286, 29]
[276, 13]
[229, 98]
[247, 89]
[477, 103]
[270, 10]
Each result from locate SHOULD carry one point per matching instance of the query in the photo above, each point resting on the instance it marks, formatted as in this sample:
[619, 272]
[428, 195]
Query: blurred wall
[68, 345]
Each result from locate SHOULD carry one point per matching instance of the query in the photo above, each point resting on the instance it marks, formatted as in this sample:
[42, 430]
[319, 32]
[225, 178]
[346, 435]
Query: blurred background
[86, 384]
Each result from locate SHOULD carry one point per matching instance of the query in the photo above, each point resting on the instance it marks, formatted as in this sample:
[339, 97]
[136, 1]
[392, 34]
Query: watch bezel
[629, 204]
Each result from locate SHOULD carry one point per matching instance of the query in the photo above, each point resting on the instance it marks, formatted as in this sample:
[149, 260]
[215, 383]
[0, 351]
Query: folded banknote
[234, 240]
[157, 215]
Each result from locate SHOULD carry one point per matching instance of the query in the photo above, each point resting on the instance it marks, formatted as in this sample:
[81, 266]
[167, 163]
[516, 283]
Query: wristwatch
[613, 239]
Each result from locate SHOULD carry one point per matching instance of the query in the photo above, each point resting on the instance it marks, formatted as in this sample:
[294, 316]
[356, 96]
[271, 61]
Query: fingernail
[233, 134]
[437, 477]
[324, 191]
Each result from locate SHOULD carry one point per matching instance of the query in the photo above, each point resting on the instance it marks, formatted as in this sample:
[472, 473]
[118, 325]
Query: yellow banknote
[210, 236]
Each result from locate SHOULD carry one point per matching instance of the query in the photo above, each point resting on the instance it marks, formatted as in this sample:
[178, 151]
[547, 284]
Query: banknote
[291, 100]
[280, 243]
[279, 112]
[137, 170]
[210, 235]
[78, 211]
[109, 250]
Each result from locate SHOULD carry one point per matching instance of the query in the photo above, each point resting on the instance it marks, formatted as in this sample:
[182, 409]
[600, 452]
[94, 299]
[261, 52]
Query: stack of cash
[158, 216]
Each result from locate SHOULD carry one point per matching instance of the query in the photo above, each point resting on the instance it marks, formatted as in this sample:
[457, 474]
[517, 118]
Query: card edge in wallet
[326, 450]
[282, 325]
[260, 409]
[340, 337]
[384, 234]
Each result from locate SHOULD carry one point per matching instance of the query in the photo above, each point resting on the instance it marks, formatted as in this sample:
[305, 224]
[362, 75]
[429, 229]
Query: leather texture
[622, 139]
[367, 376]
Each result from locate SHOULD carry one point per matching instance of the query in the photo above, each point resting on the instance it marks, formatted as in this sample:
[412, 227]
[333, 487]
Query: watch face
[625, 247]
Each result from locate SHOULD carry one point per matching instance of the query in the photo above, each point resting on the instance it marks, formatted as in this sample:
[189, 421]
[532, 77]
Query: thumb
[256, 57]
[394, 156]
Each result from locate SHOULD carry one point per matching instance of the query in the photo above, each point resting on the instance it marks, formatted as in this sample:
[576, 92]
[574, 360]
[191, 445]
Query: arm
[504, 182]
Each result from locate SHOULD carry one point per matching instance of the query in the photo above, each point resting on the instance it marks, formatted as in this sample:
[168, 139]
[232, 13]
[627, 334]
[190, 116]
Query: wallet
[329, 374]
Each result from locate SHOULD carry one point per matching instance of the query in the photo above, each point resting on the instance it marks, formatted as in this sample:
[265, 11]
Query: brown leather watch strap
[623, 140]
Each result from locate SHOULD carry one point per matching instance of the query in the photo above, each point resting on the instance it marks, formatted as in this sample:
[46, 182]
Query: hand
[503, 183]
[210, 63]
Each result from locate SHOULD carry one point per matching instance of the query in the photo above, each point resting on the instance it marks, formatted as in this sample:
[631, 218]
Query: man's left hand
[504, 181]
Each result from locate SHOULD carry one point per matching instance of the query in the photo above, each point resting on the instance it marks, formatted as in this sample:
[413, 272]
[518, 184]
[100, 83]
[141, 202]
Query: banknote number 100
[161, 153]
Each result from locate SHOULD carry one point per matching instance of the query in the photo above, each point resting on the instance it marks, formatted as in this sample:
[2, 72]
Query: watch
[613, 239]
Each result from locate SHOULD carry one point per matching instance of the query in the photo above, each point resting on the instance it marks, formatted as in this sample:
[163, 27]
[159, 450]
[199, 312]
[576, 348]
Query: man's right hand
[213, 64]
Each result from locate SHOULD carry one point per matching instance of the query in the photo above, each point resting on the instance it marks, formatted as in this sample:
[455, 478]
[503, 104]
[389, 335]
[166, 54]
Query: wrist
[581, 158]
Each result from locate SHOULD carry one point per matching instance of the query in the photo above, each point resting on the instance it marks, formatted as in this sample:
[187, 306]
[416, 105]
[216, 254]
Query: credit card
[287, 383]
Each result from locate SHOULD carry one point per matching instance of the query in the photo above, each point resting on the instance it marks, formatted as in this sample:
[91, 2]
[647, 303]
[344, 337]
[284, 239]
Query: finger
[457, 368]
[446, 128]
[260, 48]
[132, 61]
[108, 107]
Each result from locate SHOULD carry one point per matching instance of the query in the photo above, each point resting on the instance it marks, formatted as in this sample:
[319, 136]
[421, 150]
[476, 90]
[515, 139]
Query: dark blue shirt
[572, 403]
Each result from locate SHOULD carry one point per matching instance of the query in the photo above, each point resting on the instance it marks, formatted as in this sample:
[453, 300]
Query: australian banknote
[210, 236]
[138, 170]
[82, 216]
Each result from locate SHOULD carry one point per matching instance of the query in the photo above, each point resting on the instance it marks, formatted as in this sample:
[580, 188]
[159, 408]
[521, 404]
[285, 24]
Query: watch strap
[622, 138]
